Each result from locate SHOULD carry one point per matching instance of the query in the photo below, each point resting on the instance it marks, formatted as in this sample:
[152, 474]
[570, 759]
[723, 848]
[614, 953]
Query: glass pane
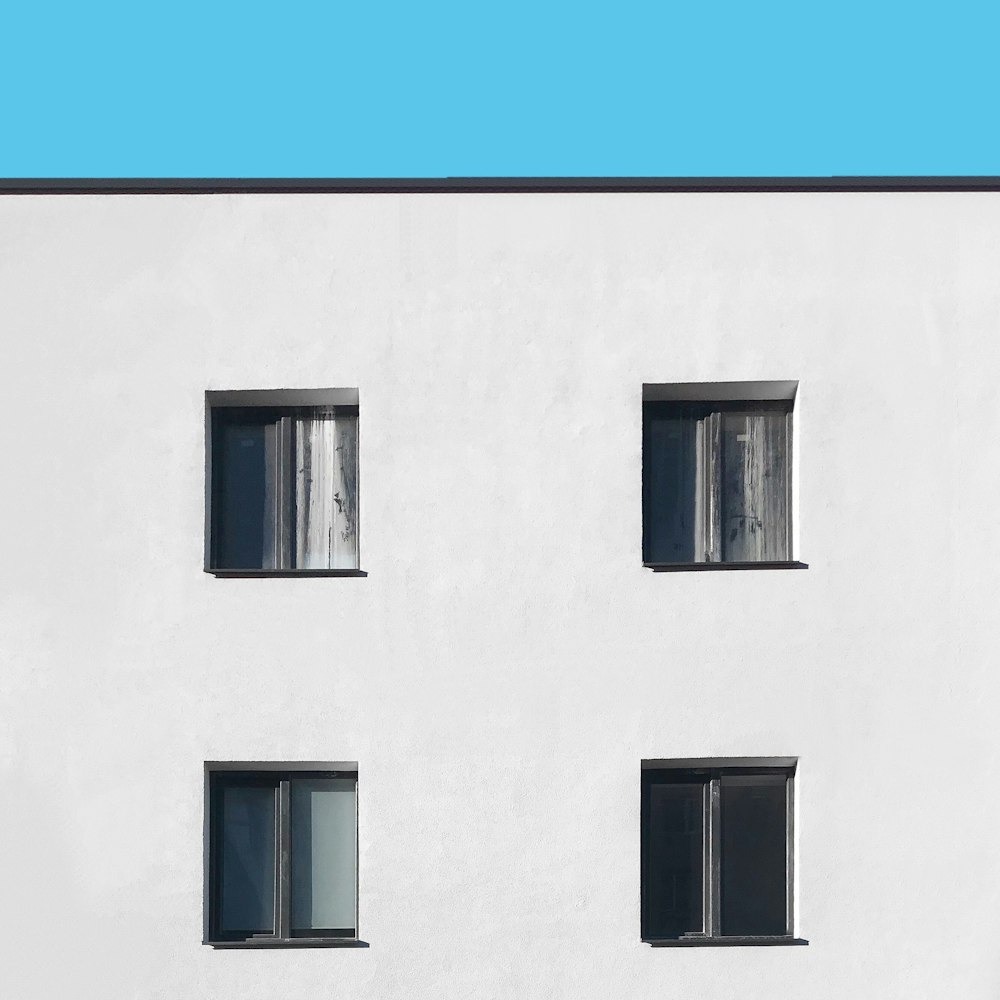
[326, 492]
[324, 855]
[669, 473]
[241, 456]
[247, 874]
[753, 873]
[674, 866]
[755, 487]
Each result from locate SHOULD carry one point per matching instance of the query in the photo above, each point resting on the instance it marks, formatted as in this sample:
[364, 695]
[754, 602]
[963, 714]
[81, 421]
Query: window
[283, 475]
[717, 474]
[717, 851]
[282, 854]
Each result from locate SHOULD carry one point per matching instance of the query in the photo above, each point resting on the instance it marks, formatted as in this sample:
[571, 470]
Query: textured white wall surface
[507, 662]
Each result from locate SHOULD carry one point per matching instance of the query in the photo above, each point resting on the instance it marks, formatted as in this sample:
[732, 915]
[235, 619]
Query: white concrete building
[503, 664]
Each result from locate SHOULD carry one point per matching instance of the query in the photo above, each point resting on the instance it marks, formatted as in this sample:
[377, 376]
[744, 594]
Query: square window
[283, 476]
[282, 854]
[717, 473]
[717, 851]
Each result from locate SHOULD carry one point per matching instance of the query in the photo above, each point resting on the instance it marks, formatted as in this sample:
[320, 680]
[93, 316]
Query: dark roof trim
[479, 185]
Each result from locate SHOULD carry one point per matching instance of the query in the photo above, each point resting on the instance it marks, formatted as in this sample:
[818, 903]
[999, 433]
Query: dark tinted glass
[753, 854]
[668, 474]
[239, 458]
[674, 851]
[247, 871]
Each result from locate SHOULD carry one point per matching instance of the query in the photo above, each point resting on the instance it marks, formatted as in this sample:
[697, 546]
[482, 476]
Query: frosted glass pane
[326, 492]
[324, 854]
[247, 885]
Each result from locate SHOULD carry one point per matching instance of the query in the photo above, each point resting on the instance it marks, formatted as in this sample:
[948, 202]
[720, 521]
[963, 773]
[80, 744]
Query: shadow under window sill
[258, 573]
[695, 567]
[299, 942]
[722, 942]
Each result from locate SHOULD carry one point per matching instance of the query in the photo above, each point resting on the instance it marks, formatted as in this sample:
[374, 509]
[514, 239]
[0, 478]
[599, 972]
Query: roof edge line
[485, 185]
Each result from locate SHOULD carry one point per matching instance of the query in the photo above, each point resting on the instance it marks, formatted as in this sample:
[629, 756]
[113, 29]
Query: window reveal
[716, 479]
[283, 856]
[284, 488]
[716, 851]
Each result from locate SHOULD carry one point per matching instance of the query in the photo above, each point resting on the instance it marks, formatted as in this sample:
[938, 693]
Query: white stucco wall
[507, 662]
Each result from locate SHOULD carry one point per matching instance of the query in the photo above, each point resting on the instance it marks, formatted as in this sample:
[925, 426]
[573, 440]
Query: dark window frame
[708, 773]
[279, 776]
[692, 401]
[272, 404]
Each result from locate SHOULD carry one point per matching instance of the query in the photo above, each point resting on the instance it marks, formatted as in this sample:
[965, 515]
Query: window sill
[301, 942]
[723, 942]
[255, 573]
[712, 566]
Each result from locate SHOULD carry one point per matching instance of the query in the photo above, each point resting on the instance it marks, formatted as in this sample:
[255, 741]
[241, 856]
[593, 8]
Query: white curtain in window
[754, 516]
[326, 492]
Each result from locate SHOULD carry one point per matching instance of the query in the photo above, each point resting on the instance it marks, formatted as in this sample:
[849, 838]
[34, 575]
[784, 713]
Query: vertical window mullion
[357, 860]
[283, 869]
[713, 477]
[790, 854]
[285, 527]
[272, 494]
[789, 537]
[713, 860]
[215, 859]
[702, 533]
[645, 851]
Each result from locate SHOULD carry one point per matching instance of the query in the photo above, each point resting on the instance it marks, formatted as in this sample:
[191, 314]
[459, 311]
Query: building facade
[493, 678]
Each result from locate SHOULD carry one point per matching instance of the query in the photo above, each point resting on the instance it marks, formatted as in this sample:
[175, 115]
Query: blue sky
[305, 89]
